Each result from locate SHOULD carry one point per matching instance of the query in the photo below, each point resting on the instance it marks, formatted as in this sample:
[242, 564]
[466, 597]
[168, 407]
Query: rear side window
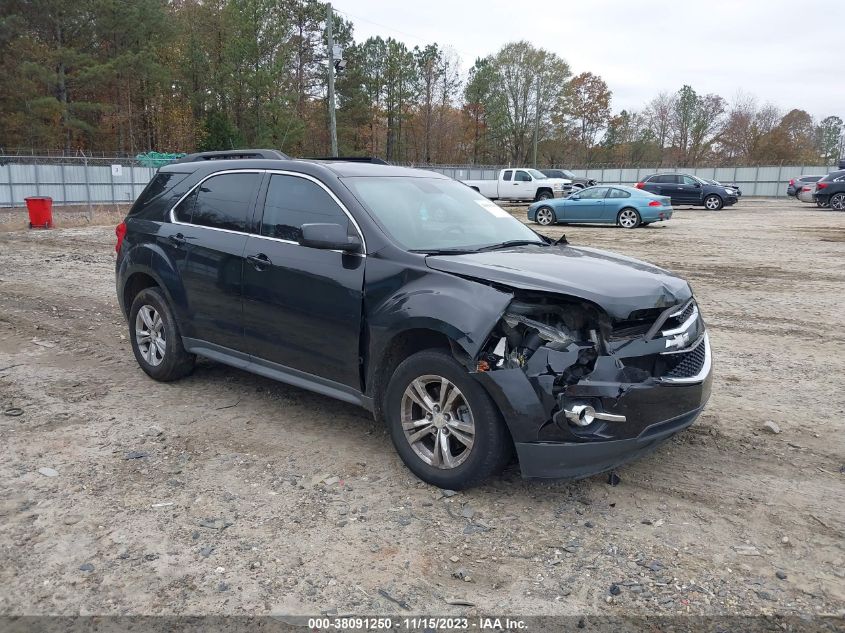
[221, 202]
[665, 179]
[161, 184]
[618, 193]
[507, 175]
[292, 202]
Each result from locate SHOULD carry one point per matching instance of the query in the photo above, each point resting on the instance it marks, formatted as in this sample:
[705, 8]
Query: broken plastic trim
[546, 332]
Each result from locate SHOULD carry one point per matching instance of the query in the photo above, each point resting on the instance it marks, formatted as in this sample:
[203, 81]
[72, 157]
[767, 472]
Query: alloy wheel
[837, 202]
[437, 422]
[545, 216]
[150, 335]
[713, 203]
[628, 218]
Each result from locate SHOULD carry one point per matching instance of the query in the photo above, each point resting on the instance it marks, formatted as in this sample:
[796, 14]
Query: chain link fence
[87, 181]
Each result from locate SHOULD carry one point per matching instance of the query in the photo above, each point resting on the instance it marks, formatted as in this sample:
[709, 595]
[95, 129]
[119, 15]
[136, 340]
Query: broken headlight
[528, 326]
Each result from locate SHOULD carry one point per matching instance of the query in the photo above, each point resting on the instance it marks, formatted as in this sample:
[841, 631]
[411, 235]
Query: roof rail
[350, 159]
[233, 154]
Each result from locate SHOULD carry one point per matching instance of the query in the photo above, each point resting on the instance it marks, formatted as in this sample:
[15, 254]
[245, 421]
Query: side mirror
[330, 237]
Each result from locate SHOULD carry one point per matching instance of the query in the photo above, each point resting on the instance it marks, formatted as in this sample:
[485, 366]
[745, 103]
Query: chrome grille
[689, 363]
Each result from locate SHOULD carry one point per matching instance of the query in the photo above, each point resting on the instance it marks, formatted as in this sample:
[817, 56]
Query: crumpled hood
[616, 283]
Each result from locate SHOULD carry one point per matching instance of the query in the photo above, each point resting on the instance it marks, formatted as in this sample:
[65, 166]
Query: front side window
[220, 202]
[293, 201]
[689, 180]
[522, 176]
[593, 193]
[434, 214]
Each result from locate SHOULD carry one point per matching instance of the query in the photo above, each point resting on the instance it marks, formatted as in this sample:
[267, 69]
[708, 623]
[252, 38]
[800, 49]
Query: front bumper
[641, 414]
[578, 460]
[731, 200]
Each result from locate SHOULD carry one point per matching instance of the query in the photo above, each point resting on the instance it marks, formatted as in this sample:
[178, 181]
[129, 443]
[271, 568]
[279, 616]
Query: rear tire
[156, 340]
[713, 202]
[837, 202]
[628, 218]
[466, 412]
[544, 216]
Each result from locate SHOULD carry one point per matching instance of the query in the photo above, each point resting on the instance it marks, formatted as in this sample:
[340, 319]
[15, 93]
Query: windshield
[538, 175]
[434, 214]
[568, 174]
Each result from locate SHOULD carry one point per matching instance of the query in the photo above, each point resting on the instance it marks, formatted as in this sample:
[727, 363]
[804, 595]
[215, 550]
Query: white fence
[770, 181]
[89, 181]
[72, 182]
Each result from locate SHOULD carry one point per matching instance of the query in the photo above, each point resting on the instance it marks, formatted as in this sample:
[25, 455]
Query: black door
[206, 243]
[689, 190]
[302, 306]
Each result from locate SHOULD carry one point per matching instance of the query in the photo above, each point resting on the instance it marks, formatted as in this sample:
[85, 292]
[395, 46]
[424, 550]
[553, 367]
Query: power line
[383, 26]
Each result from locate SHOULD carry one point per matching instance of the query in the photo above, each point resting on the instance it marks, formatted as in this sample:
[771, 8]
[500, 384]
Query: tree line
[187, 75]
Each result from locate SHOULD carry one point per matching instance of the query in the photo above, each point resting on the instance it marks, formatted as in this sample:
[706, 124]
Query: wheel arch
[146, 266]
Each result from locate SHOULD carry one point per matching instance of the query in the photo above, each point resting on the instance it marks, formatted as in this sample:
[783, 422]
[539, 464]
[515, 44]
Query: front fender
[398, 299]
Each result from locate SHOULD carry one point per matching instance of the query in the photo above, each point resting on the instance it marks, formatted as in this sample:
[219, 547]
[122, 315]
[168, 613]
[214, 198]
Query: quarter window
[292, 202]
[220, 202]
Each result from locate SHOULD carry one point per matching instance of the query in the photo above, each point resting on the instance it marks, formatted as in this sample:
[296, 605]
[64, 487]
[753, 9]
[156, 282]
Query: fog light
[585, 415]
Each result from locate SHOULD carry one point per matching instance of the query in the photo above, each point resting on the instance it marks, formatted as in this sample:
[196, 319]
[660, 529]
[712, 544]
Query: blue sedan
[627, 207]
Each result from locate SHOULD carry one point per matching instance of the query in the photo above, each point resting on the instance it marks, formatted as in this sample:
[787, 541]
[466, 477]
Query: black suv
[686, 189]
[410, 294]
[830, 191]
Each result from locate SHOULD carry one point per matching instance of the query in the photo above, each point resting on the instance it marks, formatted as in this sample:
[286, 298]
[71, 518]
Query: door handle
[260, 261]
[177, 240]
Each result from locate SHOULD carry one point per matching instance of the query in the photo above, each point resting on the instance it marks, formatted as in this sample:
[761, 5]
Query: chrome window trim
[702, 374]
[281, 172]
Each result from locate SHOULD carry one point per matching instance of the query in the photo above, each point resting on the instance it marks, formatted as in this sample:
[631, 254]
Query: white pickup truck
[521, 184]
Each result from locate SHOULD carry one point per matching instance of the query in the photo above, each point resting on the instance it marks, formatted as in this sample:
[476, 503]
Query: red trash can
[40, 211]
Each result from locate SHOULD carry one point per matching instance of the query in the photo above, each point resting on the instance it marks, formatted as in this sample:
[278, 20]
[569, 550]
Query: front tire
[544, 216]
[713, 202]
[544, 195]
[628, 218]
[156, 340]
[443, 424]
[837, 202]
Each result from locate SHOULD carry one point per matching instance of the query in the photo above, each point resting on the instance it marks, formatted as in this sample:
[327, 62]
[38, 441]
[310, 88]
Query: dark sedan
[796, 184]
[830, 191]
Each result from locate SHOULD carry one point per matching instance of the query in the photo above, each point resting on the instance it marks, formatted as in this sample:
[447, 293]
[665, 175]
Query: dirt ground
[227, 493]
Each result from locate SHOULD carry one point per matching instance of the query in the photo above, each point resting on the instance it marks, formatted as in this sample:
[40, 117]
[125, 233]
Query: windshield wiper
[509, 243]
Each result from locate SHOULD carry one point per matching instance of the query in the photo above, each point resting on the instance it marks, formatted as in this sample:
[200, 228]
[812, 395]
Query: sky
[781, 52]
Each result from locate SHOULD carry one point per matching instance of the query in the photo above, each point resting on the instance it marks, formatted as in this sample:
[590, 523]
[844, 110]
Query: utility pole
[536, 122]
[332, 121]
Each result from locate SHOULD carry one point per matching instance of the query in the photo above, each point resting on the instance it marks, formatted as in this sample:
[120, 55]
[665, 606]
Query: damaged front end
[582, 392]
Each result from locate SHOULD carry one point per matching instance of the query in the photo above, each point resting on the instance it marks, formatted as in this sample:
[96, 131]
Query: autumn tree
[586, 101]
